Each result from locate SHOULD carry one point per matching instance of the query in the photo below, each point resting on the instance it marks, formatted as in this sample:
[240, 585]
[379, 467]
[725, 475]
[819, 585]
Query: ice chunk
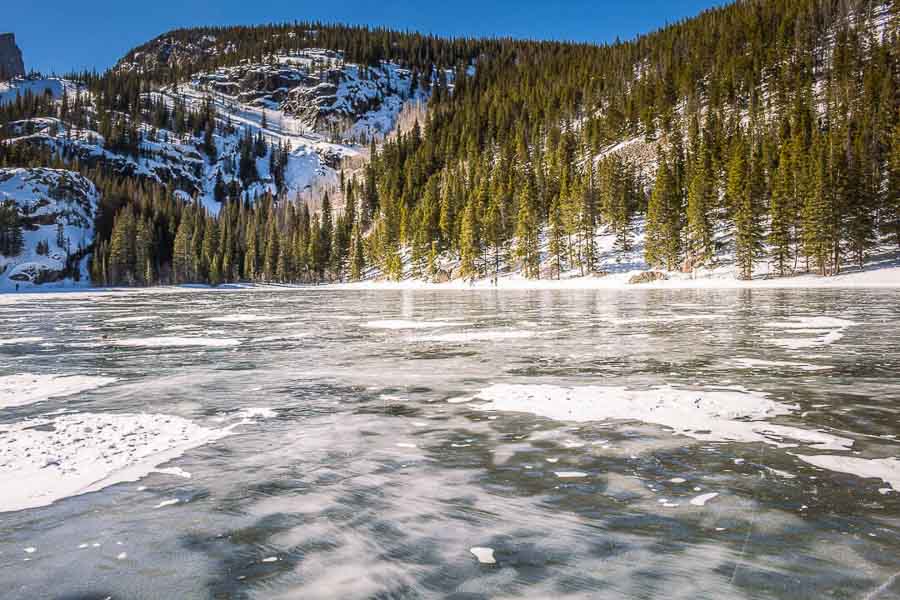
[484, 555]
[702, 499]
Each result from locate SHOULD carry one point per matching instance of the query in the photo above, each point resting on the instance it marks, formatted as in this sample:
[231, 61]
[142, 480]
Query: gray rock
[11, 63]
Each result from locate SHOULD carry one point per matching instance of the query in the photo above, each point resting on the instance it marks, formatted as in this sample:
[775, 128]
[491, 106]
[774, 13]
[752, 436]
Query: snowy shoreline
[880, 278]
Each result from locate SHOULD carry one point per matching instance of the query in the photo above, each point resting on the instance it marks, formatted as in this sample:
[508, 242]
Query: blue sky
[60, 35]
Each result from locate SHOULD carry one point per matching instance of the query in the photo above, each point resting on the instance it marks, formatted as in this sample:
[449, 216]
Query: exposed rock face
[11, 63]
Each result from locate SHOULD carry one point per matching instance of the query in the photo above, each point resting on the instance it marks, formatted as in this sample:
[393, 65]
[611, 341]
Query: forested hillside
[766, 131]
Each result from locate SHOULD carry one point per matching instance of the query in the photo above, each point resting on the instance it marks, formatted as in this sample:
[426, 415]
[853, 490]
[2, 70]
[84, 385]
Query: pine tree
[745, 187]
[557, 242]
[527, 235]
[357, 257]
[662, 246]
[781, 213]
[700, 205]
[891, 222]
[182, 258]
[469, 249]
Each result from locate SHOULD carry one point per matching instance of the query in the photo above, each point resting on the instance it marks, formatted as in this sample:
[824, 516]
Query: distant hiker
[17, 287]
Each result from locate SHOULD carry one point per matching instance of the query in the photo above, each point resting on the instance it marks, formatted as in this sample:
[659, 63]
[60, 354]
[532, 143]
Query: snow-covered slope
[53, 206]
[37, 86]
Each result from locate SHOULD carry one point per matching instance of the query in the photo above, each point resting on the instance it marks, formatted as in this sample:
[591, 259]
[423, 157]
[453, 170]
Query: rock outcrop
[11, 63]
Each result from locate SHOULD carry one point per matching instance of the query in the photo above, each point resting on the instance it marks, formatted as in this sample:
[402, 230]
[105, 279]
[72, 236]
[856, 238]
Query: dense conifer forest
[769, 125]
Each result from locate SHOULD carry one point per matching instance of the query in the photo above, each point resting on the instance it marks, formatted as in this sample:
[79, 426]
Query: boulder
[442, 276]
[647, 277]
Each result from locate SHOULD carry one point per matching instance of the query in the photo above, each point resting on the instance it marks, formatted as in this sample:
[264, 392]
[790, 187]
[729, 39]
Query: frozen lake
[418, 444]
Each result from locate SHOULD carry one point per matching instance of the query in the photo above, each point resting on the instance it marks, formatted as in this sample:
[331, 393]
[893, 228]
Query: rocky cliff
[11, 63]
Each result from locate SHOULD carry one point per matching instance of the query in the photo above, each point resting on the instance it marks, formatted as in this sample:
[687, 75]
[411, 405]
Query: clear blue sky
[60, 35]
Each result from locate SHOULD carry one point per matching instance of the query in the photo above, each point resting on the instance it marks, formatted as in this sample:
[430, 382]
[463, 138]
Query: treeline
[773, 127]
[261, 241]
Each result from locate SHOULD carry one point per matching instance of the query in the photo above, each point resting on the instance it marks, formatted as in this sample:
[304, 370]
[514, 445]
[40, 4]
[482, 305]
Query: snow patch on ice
[710, 415]
[478, 336]
[176, 342]
[406, 324]
[244, 318]
[755, 363]
[831, 327]
[570, 474]
[176, 471]
[43, 460]
[28, 388]
[19, 340]
[132, 319]
[886, 469]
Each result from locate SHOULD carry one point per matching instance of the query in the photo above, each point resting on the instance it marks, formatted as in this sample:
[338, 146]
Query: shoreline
[884, 278]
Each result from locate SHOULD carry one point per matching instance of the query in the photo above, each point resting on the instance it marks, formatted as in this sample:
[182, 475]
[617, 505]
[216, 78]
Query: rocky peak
[11, 63]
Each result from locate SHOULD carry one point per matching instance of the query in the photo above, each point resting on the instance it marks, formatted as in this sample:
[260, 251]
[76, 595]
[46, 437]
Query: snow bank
[28, 388]
[44, 460]
[886, 469]
[723, 415]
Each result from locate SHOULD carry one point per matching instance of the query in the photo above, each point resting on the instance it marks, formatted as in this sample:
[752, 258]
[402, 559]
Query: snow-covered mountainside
[318, 108]
[56, 212]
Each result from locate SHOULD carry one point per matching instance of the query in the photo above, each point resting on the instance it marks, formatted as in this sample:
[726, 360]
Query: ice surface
[28, 388]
